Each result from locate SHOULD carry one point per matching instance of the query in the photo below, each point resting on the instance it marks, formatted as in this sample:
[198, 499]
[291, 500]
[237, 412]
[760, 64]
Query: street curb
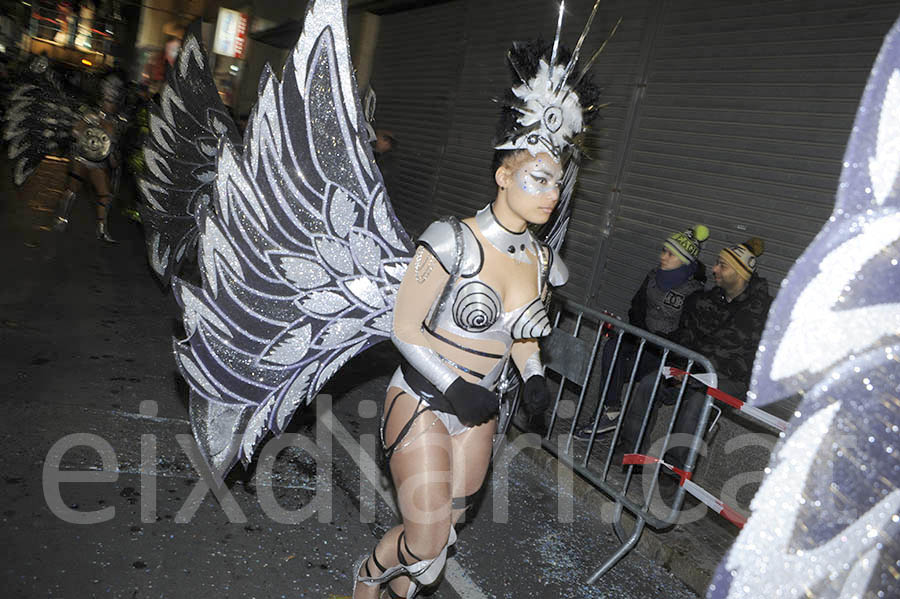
[679, 551]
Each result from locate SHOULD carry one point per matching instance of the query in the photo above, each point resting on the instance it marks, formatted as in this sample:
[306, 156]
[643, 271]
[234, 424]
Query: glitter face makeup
[537, 176]
[534, 188]
[536, 179]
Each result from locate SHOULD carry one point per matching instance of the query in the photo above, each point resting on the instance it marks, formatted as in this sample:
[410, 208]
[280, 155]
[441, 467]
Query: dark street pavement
[89, 382]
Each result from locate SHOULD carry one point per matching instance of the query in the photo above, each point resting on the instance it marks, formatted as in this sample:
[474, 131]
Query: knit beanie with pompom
[742, 257]
[687, 245]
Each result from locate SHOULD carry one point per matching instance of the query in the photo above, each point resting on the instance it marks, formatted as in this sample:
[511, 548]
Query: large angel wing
[300, 253]
[39, 121]
[180, 154]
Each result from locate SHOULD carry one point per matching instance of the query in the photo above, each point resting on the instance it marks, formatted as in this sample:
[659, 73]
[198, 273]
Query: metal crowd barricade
[573, 356]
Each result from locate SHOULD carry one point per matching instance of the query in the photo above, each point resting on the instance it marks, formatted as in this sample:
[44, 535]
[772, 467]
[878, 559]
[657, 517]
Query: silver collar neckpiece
[508, 242]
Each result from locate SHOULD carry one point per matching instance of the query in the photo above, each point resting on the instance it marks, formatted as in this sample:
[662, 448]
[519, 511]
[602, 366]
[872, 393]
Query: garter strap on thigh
[421, 408]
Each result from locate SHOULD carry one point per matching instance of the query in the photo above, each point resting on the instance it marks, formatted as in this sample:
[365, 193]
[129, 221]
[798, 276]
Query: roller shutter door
[417, 61]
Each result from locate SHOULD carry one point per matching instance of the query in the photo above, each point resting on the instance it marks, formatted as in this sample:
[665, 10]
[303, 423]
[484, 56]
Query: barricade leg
[623, 549]
[640, 358]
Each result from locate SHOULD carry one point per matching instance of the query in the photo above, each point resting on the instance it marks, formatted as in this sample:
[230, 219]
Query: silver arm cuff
[427, 363]
[533, 366]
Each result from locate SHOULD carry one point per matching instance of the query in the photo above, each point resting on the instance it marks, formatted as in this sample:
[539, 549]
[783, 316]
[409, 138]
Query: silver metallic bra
[478, 309]
[469, 307]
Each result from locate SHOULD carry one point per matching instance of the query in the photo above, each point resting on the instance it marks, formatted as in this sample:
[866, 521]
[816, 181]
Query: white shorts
[451, 421]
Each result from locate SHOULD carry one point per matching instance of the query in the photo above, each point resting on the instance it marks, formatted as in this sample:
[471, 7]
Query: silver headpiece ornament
[551, 112]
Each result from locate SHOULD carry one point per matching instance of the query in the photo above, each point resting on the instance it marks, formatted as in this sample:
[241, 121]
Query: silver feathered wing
[300, 252]
[180, 156]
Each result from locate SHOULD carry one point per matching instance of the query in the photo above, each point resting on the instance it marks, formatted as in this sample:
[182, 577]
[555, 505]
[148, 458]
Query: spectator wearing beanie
[724, 324]
[655, 307]
[737, 264]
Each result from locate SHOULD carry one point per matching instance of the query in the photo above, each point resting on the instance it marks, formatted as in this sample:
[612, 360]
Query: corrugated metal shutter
[415, 74]
[466, 182]
[618, 70]
[747, 111]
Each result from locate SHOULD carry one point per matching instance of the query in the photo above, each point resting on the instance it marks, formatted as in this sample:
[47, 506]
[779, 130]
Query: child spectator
[656, 307]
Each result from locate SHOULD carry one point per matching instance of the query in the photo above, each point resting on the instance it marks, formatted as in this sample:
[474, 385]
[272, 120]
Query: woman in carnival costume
[96, 157]
[304, 266]
[472, 299]
[46, 117]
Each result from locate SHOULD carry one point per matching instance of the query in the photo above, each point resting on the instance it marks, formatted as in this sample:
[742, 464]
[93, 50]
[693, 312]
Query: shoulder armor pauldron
[558, 272]
[454, 245]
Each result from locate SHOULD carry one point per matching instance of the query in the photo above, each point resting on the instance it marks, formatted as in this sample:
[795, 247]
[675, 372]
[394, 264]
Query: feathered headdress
[549, 107]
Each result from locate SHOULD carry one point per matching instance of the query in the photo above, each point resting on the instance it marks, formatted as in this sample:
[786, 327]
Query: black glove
[536, 400]
[474, 405]
[535, 397]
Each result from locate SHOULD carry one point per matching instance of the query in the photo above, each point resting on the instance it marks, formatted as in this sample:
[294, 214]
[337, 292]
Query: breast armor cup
[94, 144]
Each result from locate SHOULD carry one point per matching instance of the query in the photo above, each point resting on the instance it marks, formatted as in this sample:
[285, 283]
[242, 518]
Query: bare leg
[421, 471]
[100, 180]
[429, 468]
[74, 179]
[471, 456]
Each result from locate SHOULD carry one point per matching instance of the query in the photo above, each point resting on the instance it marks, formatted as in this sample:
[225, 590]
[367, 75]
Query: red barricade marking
[708, 499]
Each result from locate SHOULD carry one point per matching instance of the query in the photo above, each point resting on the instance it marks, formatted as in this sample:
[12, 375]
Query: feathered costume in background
[300, 252]
[39, 119]
[826, 519]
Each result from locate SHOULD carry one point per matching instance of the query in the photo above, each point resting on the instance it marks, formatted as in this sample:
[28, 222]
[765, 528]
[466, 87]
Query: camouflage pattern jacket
[726, 332]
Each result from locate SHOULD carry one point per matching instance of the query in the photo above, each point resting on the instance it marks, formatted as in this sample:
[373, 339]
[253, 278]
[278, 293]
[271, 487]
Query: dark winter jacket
[658, 310]
[726, 332]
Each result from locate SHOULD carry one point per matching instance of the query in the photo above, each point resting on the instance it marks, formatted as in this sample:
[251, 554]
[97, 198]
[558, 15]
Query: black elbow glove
[473, 404]
[536, 400]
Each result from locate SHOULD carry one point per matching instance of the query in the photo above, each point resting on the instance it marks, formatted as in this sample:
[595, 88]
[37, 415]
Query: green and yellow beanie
[687, 245]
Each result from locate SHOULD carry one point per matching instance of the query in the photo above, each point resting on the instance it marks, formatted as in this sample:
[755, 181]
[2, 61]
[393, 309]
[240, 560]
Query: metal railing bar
[640, 500]
[585, 384]
[620, 552]
[603, 395]
[562, 383]
[633, 507]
